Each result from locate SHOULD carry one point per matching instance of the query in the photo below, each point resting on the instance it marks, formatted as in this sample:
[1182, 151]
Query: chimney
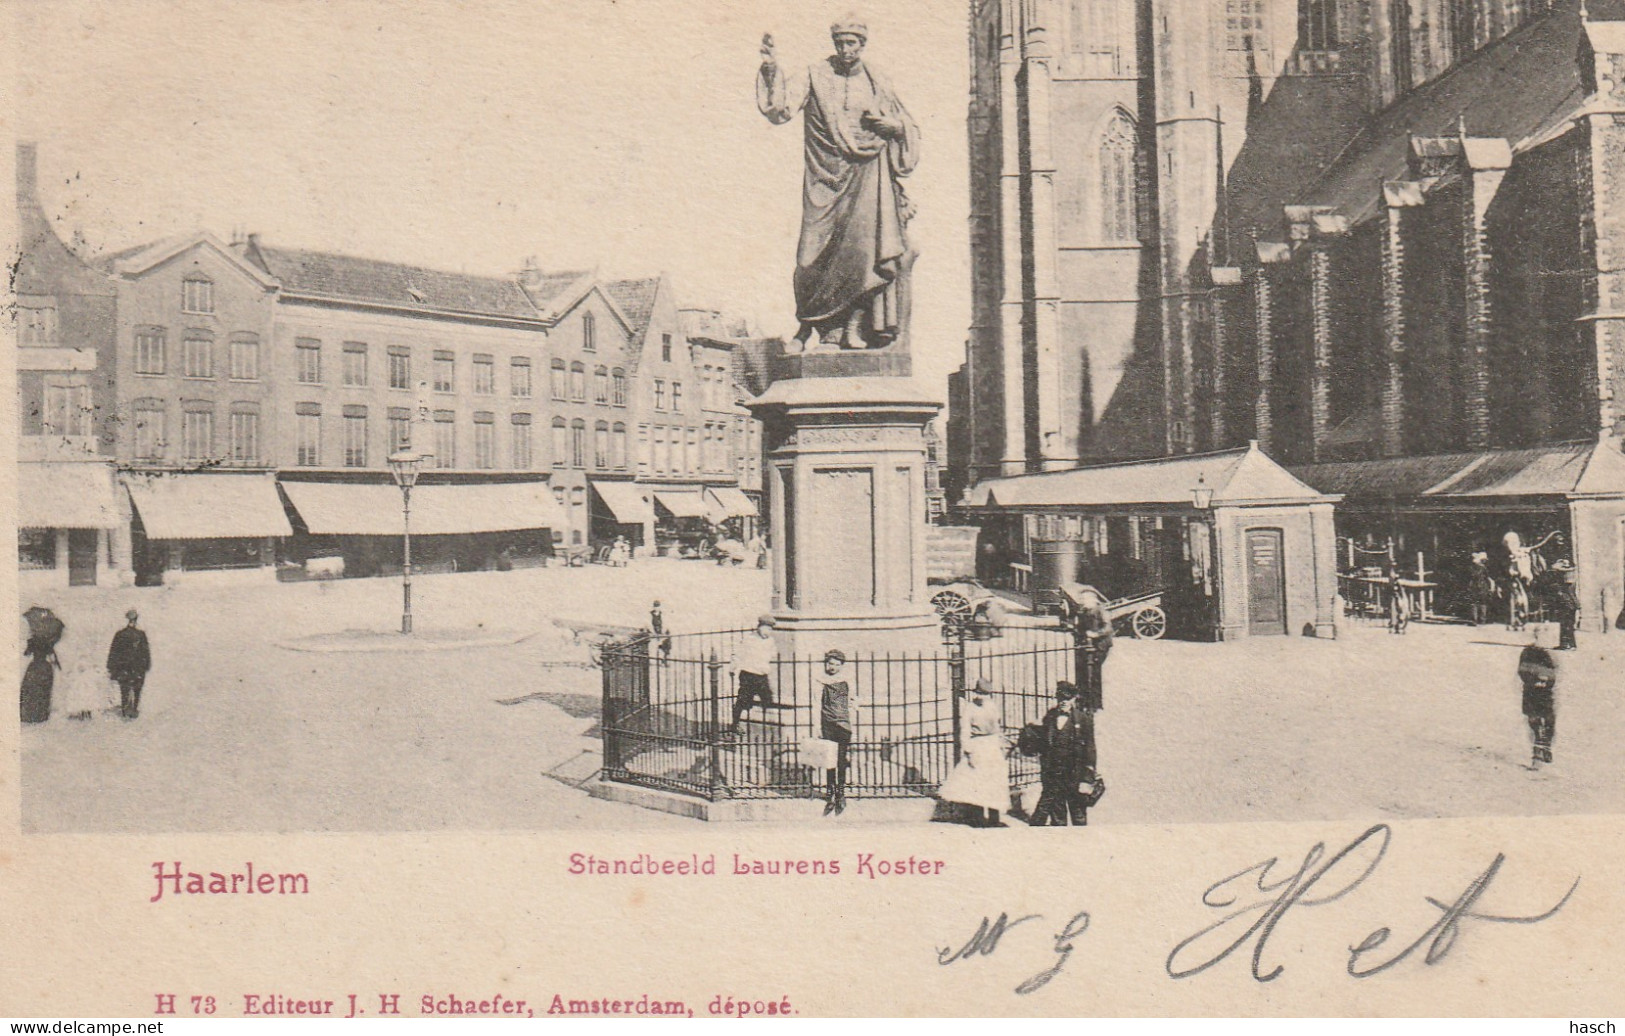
[27, 173]
[530, 273]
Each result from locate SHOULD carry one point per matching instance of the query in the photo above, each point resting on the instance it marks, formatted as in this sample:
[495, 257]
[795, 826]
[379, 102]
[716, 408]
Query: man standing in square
[128, 661]
[1066, 761]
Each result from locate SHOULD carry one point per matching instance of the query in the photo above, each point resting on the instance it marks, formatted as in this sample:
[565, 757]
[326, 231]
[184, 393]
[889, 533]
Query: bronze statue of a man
[852, 263]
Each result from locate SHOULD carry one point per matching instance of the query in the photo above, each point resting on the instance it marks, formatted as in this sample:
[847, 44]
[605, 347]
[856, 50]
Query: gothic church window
[1317, 25]
[1119, 220]
[1399, 23]
[1244, 26]
[1097, 37]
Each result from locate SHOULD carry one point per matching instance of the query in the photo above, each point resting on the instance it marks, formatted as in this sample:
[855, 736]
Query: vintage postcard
[723, 509]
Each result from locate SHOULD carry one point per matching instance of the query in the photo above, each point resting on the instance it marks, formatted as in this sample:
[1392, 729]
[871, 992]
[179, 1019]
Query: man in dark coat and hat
[128, 661]
[1066, 761]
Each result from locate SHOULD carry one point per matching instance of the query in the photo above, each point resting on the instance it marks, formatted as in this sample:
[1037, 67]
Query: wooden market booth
[1434, 512]
[1236, 544]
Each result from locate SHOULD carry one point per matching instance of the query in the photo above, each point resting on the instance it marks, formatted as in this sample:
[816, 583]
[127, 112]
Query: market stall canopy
[683, 504]
[1240, 477]
[66, 495]
[1569, 470]
[335, 509]
[731, 502]
[208, 507]
[628, 504]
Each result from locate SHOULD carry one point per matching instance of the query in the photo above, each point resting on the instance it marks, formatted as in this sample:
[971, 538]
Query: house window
[149, 429]
[578, 382]
[197, 435]
[1317, 25]
[245, 437]
[197, 295]
[691, 451]
[445, 371]
[660, 394]
[521, 442]
[309, 353]
[578, 500]
[245, 357]
[645, 454]
[665, 348]
[589, 333]
[600, 445]
[578, 443]
[36, 322]
[1118, 219]
[485, 374]
[618, 446]
[561, 442]
[36, 549]
[355, 364]
[561, 381]
[400, 429]
[617, 380]
[355, 436]
[485, 441]
[197, 354]
[600, 386]
[68, 410]
[400, 367]
[308, 434]
[149, 350]
[658, 450]
[676, 397]
[519, 377]
[445, 439]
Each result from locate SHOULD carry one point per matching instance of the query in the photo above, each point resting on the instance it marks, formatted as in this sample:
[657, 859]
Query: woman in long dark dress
[39, 678]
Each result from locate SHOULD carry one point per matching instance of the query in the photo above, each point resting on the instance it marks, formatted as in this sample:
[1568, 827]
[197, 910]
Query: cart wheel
[952, 606]
[1150, 623]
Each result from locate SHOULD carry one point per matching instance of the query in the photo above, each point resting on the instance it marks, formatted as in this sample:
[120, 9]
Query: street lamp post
[405, 466]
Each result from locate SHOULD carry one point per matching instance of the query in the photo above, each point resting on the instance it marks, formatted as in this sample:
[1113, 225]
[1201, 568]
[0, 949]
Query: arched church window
[1119, 220]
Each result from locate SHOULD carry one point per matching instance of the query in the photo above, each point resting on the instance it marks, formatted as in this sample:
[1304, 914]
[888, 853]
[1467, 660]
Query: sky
[616, 134]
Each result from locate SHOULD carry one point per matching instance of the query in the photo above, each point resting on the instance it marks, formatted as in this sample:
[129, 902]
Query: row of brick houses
[199, 405]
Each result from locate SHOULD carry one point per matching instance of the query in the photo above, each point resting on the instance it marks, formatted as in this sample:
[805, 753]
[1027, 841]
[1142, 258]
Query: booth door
[1266, 583]
[82, 557]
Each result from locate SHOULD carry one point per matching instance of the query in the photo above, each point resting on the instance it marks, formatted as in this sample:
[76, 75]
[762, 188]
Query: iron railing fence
[668, 712]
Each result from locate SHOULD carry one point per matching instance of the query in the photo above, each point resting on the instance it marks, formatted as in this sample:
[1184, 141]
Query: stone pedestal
[846, 471]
